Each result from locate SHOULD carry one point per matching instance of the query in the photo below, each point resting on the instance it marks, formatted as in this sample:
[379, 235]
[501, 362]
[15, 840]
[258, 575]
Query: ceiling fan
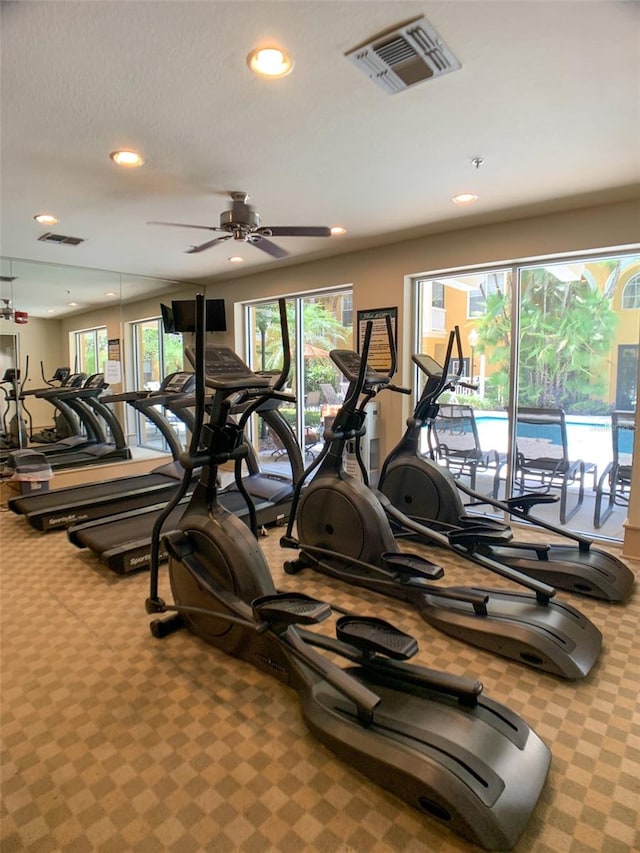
[241, 222]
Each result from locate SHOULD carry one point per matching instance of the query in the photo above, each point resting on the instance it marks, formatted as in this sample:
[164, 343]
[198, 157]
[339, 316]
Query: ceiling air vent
[50, 237]
[403, 56]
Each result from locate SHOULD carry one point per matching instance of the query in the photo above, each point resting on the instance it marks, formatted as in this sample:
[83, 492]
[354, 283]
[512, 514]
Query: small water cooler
[369, 447]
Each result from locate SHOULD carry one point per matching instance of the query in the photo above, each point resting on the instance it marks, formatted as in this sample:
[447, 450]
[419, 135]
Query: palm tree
[566, 333]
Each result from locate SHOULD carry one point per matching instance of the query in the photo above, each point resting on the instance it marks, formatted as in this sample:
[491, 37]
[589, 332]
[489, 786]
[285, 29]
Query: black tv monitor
[184, 315]
[167, 320]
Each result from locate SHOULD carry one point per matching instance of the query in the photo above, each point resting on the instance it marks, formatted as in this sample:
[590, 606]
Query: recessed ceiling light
[45, 218]
[236, 259]
[464, 198]
[111, 293]
[51, 310]
[72, 304]
[337, 230]
[127, 157]
[270, 62]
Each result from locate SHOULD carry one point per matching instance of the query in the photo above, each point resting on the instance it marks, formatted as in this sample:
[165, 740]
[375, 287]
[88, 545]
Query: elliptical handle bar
[154, 604]
[286, 347]
[444, 379]
[357, 386]
[392, 347]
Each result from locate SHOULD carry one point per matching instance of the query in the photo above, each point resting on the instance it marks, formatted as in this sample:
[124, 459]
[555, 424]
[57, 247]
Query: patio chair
[615, 482]
[454, 441]
[543, 464]
[330, 395]
[312, 400]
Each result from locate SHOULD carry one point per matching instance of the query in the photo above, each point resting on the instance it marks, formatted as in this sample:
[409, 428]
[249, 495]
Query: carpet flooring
[115, 741]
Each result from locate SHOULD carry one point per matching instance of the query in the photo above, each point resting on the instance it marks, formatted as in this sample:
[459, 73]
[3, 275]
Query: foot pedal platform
[473, 521]
[408, 566]
[470, 537]
[525, 503]
[372, 635]
[293, 608]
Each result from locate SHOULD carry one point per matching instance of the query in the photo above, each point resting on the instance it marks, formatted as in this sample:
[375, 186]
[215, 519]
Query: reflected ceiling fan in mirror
[241, 222]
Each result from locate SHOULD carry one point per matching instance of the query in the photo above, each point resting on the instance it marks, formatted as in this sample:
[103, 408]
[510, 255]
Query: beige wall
[379, 276]
[118, 318]
[40, 340]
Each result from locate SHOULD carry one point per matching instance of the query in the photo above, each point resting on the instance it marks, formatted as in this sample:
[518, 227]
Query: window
[483, 287]
[347, 310]
[631, 293]
[433, 314]
[437, 295]
[156, 355]
[558, 334]
[317, 323]
[91, 350]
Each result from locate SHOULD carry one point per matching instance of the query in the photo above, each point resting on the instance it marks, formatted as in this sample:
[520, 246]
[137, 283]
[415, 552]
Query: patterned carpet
[115, 741]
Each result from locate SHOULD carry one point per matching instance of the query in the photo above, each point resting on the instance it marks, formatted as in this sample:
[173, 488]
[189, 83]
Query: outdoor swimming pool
[589, 436]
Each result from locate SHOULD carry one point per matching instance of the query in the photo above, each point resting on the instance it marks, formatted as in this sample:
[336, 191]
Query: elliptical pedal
[371, 636]
[409, 566]
[480, 534]
[292, 608]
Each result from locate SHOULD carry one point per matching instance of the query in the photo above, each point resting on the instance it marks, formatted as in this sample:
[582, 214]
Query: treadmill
[104, 439]
[123, 542]
[107, 442]
[65, 423]
[63, 507]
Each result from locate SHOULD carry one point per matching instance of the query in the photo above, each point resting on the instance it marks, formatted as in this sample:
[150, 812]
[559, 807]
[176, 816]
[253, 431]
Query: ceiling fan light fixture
[45, 218]
[337, 230]
[270, 62]
[127, 158]
[464, 198]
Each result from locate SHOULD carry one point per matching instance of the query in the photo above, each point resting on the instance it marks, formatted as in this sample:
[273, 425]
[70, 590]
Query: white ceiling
[548, 94]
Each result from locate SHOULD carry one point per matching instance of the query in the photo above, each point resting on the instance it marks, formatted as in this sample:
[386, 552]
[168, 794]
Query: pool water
[589, 437]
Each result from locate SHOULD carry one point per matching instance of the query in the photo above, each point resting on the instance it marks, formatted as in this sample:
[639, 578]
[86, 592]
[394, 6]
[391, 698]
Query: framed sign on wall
[379, 353]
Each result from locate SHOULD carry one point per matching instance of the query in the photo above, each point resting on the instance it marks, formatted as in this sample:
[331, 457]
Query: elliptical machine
[14, 430]
[428, 493]
[344, 530]
[429, 737]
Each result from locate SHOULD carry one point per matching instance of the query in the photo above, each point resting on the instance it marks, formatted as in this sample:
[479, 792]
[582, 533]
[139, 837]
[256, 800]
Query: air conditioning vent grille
[61, 239]
[404, 56]
[395, 51]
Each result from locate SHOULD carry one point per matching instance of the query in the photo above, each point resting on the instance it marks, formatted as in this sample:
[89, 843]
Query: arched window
[631, 293]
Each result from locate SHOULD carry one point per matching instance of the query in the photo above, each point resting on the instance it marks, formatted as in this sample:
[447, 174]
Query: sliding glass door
[156, 355]
[552, 349]
[317, 324]
[577, 365]
[471, 436]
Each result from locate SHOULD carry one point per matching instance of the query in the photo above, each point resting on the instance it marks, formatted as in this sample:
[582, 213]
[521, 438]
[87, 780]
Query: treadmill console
[348, 362]
[427, 364]
[181, 382]
[225, 369]
[96, 380]
[431, 367]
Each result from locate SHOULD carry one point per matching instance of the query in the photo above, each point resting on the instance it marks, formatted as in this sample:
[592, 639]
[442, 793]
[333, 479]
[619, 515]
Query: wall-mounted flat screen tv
[181, 317]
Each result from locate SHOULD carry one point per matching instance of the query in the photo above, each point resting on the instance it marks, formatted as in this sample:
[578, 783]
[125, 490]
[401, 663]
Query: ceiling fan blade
[195, 249]
[184, 225]
[297, 231]
[261, 242]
